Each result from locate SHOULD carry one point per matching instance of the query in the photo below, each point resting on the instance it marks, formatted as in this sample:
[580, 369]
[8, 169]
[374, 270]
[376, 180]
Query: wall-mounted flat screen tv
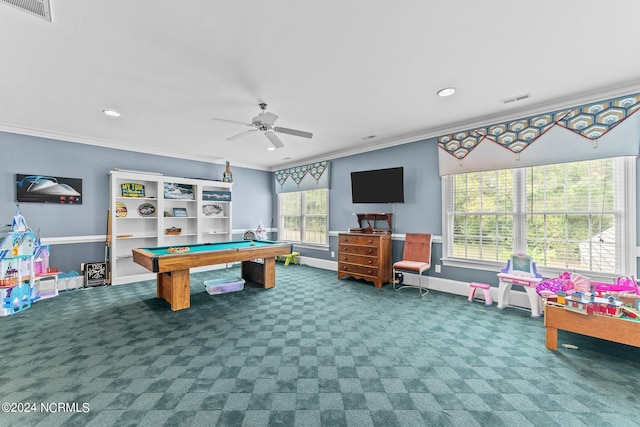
[378, 186]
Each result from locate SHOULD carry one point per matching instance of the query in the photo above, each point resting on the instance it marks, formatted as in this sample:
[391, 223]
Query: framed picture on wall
[48, 189]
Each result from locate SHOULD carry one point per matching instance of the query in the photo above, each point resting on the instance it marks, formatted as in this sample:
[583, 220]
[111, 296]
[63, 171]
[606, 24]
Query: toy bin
[222, 286]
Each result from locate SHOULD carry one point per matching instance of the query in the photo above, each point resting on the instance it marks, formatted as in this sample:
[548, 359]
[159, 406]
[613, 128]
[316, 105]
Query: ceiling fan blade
[241, 134]
[274, 139]
[293, 132]
[231, 121]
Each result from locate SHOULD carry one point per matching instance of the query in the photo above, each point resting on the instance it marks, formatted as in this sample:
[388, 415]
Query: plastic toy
[520, 270]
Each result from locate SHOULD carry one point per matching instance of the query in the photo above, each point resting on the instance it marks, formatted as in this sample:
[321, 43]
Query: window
[303, 216]
[571, 216]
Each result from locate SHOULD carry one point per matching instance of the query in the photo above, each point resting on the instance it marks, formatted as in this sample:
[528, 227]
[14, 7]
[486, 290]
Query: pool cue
[107, 246]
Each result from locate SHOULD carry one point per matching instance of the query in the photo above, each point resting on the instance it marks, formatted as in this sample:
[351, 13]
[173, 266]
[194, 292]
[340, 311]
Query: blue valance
[565, 132]
[302, 178]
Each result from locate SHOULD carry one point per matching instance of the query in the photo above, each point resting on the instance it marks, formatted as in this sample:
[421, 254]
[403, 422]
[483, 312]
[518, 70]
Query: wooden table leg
[159, 291]
[174, 287]
[552, 338]
[263, 273]
[269, 272]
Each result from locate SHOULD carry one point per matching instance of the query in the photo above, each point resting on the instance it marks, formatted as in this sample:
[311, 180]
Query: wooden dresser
[365, 256]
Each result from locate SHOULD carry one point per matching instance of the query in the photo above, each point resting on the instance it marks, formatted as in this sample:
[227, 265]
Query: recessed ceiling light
[271, 148]
[111, 113]
[447, 91]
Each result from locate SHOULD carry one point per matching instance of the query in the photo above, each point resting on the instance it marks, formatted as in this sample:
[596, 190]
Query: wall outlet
[438, 268]
[333, 254]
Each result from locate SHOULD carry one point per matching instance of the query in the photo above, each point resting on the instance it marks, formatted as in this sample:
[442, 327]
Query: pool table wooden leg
[269, 272]
[261, 273]
[174, 287]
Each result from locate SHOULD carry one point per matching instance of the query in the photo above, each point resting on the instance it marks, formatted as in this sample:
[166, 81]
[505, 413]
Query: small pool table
[173, 267]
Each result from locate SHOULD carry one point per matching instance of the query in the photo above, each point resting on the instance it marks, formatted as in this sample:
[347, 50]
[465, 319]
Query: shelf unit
[152, 204]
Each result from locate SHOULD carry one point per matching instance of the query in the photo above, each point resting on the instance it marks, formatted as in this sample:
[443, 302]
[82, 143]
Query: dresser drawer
[354, 239]
[357, 269]
[358, 250]
[358, 259]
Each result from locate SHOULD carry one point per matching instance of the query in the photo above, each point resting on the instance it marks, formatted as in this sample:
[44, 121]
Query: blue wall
[421, 211]
[252, 190]
[253, 194]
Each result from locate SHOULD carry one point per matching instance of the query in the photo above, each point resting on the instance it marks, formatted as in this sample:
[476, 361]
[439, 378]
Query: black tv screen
[378, 186]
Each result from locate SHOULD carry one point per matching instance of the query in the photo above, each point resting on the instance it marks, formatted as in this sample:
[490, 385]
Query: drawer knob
[345, 268]
[370, 261]
[370, 250]
[369, 272]
[370, 241]
[345, 258]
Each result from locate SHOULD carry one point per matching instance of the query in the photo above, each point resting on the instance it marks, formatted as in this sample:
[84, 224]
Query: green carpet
[313, 351]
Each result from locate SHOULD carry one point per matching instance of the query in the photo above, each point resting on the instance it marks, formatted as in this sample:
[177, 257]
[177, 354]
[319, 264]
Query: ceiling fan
[264, 122]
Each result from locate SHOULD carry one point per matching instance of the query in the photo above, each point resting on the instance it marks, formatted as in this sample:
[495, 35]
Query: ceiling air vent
[39, 8]
[515, 98]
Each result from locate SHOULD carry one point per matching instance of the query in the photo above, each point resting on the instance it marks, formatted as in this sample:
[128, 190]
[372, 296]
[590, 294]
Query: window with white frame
[303, 216]
[571, 216]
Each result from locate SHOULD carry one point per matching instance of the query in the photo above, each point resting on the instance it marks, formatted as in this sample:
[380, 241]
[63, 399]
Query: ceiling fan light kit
[264, 122]
[447, 91]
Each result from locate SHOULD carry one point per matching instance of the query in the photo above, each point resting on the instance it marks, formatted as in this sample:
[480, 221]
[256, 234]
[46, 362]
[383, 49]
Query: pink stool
[485, 289]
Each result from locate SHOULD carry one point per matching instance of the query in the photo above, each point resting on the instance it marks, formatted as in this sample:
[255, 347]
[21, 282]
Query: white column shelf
[157, 210]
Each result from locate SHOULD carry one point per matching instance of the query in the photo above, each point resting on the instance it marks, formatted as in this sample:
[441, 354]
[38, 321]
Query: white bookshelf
[201, 209]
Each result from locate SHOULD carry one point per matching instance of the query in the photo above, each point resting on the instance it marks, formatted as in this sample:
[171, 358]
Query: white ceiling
[341, 69]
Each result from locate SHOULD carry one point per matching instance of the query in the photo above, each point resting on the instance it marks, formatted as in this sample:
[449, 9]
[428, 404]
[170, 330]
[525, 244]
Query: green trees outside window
[565, 215]
[303, 216]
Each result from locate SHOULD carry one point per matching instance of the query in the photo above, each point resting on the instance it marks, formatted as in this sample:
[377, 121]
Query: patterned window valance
[302, 178]
[593, 122]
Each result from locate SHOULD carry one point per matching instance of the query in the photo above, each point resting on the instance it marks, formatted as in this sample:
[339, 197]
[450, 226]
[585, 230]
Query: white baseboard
[325, 264]
[517, 298]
